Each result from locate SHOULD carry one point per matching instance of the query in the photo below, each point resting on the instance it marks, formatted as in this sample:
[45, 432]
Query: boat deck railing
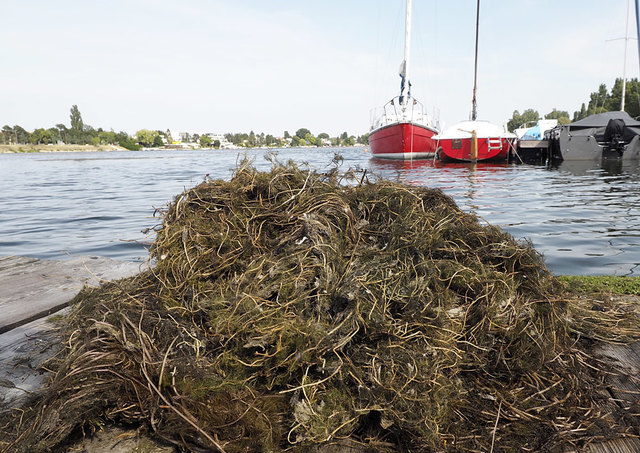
[402, 110]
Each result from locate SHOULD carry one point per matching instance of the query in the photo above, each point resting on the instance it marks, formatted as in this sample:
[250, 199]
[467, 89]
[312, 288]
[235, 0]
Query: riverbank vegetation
[600, 101]
[602, 284]
[291, 309]
[61, 135]
[17, 139]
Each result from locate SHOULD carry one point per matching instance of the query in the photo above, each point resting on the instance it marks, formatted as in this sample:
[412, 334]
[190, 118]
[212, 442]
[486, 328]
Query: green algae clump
[294, 310]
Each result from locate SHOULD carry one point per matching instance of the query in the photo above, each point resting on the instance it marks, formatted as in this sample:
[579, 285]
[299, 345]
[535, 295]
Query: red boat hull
[459, 149]
[403, 141]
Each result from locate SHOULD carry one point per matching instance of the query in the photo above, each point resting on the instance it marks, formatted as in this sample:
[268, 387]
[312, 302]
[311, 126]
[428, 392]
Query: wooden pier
[31, 290]
[531, 151]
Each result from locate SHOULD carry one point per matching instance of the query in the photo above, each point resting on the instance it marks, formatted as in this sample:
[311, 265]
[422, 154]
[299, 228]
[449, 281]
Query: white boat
[474, 140]
[535, 130]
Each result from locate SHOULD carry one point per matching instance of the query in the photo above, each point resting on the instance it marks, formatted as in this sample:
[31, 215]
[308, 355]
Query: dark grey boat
[604, 135]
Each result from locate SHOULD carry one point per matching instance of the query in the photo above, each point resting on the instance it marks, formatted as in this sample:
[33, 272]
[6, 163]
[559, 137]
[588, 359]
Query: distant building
[187, 139]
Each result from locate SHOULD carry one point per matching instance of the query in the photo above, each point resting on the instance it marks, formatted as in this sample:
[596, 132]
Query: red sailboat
[403, 130]
[474, 140]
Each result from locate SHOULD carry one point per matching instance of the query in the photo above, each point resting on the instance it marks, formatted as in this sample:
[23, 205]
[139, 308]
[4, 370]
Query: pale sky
[274, 65]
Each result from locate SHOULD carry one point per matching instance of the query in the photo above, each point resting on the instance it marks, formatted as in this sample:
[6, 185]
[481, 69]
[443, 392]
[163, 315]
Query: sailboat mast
[624, 67]
[474, 104]
[407, 53]
[638, 28]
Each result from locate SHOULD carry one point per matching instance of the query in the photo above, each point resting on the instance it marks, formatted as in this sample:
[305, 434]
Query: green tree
[302, 132]
[309, 139]
[269, 140]
[560, 115]
[216, 144]
[205, 141]
[54, 134]
[582, 113]
[20, 134]
[613, 101]
[598, 100]
[632, 99]
[40, 137]
[241, 139]
[127, 142]
[76, 119]
[157, 141]
[64, 132]
[364, 139]
[7, 134]
[107, 138]
[286, 134]
[145, 137]
[519, 120]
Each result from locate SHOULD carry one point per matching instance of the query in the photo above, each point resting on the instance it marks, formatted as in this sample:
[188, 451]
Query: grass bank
[602, 284]
[57, 148]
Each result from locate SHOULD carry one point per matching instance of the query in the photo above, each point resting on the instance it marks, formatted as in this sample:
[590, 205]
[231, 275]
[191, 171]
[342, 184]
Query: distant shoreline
[16, 149]
[24, 149]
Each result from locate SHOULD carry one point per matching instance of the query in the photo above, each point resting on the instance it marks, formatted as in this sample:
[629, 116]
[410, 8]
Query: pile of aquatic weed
[291, 310]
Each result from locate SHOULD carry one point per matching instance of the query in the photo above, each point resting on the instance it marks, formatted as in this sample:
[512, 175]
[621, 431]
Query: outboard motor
[614, 138]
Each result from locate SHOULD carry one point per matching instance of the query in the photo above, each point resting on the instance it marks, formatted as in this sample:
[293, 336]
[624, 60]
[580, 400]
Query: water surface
[582, 216]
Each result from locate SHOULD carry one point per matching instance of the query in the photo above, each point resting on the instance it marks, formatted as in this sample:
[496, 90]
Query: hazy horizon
[222, 66]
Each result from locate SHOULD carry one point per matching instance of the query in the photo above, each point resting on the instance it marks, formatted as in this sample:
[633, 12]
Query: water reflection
[466, 179]
[421, 172]
[607, 167]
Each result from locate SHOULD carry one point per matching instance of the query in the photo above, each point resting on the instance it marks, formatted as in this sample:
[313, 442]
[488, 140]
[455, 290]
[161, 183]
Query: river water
[584, 217]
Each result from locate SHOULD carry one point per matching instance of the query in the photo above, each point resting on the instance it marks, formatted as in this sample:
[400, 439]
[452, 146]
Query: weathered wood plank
[625, 392]
[22, 352]
[524, 144]
[31, 288]
[622, 445]
[626, 387]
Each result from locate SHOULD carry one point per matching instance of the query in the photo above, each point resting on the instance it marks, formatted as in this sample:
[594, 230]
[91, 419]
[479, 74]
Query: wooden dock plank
[31, 288]
[22, 352]
[527, 144]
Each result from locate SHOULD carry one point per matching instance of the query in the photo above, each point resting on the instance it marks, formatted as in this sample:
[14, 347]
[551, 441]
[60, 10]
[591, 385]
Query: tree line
[78, 134]
[302, 137]
[82, 134]
[600, 101]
